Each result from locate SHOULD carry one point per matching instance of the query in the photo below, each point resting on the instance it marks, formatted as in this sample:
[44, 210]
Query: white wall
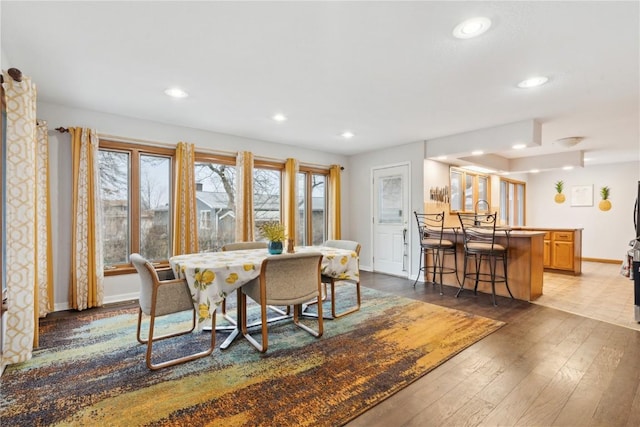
[122, 287]
[360, 203]
[606, 234]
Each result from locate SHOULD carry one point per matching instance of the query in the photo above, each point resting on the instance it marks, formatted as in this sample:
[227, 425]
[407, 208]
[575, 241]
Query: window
[512, 197]
[205, 221]
[215, 201]
[469, 191]
[267, 193]
[136, 194]
[312, 207]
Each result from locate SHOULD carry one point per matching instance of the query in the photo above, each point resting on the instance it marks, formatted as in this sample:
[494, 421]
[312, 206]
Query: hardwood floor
[546, 367]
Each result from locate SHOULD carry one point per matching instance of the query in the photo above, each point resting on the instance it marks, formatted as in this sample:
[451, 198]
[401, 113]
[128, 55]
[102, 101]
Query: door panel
[390, 213]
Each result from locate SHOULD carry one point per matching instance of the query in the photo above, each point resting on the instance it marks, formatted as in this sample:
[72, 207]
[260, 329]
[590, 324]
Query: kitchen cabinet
[562, 250]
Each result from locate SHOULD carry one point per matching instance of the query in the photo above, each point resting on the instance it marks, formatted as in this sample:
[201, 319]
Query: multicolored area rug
[90, 370]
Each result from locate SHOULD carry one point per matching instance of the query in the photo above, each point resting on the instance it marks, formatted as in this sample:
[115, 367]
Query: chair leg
[297, 313]
[226, 317]
[492, 274]
[336, 315]
[151, 339]
[478, 262]
[419, 266]
[464, 275]
[263, 316]
[506, 280]
[439, 262]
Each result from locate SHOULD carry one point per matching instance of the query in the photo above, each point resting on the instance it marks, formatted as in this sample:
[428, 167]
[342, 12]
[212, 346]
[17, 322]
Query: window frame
[220, 159]
[135, 151]
[308, 226]
[505, 213]
[475, 188]
[268, 165]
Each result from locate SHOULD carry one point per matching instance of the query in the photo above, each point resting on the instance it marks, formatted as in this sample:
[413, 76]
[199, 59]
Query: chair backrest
[237, 246]
[291, 278]
[480, 228]
[349, 245]
[171, 298]
[430, 226]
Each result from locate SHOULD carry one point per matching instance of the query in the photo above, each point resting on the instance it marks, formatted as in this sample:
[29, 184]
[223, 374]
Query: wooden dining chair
[351, 246]
[161, 294]
[285, 280]
[237, 246]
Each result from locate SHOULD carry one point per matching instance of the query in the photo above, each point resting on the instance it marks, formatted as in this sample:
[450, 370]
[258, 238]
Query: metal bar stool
[432, 242]
[479, 232]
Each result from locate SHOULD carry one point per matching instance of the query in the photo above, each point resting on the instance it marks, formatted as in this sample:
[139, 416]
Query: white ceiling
[390, 72]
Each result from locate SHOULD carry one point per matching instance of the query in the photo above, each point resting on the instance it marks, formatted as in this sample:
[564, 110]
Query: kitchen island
[525, 264]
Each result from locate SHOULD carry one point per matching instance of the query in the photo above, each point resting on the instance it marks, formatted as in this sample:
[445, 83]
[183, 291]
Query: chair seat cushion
[432, 243]
[485, 247]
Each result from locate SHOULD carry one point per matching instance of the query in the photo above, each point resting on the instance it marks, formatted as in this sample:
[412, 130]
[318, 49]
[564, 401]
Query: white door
[390, 216]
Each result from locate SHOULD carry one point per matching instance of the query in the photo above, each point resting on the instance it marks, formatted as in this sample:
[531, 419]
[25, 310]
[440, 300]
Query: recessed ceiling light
[533, 82]
[347, 134]
[279, 117]
[587, 159]
[441, 158]
[471, 28]
[567, 168]
[477, 153]
[176, 92]
[519, 146]
[534, 171]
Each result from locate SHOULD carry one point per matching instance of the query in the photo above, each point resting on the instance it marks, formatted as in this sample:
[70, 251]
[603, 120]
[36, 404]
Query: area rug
[90, 370]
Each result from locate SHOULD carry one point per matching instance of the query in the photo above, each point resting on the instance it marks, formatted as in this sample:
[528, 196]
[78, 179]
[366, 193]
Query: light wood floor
[601, 293]
[546, 367]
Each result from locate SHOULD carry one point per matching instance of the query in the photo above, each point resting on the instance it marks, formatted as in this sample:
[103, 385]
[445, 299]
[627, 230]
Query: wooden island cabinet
[562, 249]
[525, 267]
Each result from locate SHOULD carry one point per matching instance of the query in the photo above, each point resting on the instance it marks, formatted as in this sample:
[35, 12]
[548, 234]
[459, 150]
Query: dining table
[212, 276]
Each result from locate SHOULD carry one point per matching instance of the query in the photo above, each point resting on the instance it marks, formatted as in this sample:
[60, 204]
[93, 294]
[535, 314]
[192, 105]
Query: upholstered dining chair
[237, 246]
[480, 245]
[161, 294]
[286, 279]
[351, 246]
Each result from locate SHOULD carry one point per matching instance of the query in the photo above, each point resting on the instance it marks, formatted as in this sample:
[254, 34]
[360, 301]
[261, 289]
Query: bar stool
[431, 230]
[479, 232]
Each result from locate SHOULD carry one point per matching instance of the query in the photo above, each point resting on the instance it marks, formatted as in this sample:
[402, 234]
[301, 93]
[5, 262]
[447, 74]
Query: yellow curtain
[244, 197]
[289, 197]
[185, 230]
[22, 213]
[334, 202]
[87, 269]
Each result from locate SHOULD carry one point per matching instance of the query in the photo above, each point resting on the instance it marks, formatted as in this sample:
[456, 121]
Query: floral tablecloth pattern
[214, 275]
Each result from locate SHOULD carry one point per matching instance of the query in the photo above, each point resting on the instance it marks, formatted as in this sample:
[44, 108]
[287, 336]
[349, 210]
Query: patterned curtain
[334, 202]
[185, 230]
[25, 203]
[291, 169]
[244, 197]
[44, 247]
[87, 266]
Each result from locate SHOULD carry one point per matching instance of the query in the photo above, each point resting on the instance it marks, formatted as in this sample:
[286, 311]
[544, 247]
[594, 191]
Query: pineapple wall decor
[559, 198]
[605, 203]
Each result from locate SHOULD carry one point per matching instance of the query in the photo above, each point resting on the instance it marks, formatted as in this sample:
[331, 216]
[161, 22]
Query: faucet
[478, 203]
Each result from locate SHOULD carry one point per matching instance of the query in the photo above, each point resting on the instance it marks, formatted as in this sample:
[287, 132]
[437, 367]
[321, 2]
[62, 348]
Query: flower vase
[274, 248]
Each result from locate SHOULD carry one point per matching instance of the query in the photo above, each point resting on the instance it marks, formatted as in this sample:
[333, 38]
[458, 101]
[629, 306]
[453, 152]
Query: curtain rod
[199, 149]
[14, 73]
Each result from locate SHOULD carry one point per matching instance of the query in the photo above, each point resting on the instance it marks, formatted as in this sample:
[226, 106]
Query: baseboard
[603, 260]
[111, 299]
